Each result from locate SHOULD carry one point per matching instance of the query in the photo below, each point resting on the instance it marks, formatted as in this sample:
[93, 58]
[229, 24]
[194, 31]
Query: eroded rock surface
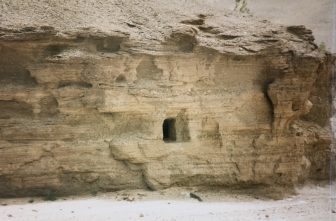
[157, 96]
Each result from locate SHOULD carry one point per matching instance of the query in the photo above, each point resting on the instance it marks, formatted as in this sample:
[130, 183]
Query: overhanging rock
[240, 101]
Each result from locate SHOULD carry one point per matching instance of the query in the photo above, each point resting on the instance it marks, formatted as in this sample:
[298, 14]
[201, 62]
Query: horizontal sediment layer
[198, 104]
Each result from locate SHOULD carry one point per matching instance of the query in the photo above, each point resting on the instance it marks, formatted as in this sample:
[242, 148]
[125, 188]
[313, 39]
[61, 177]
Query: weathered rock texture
[156, 96]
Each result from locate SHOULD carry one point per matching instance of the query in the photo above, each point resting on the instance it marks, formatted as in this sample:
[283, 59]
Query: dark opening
[121, 78]
[169, 130]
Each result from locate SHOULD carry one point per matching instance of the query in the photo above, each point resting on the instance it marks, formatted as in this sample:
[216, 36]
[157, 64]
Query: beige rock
[198, 98]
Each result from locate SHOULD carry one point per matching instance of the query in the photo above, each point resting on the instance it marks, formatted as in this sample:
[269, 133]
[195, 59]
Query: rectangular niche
[176, 129]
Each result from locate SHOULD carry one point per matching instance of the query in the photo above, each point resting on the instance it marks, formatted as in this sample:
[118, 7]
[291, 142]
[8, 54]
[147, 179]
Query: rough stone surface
[82, 109]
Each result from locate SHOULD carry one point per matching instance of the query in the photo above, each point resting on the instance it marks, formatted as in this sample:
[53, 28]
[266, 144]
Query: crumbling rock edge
[83, 111]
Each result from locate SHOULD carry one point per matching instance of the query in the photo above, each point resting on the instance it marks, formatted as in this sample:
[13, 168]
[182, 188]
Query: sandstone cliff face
[214, 99]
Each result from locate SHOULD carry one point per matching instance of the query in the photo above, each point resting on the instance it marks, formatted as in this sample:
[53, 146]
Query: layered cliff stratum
[109, 95]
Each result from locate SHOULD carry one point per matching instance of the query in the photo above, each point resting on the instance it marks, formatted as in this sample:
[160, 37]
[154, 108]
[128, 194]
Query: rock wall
[206, 105]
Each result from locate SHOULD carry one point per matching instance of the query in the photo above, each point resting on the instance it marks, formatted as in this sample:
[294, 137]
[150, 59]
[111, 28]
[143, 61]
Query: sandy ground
[312, 203]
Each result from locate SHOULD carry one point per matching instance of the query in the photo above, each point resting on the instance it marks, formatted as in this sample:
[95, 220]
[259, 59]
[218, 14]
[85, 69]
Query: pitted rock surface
[112, 95]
